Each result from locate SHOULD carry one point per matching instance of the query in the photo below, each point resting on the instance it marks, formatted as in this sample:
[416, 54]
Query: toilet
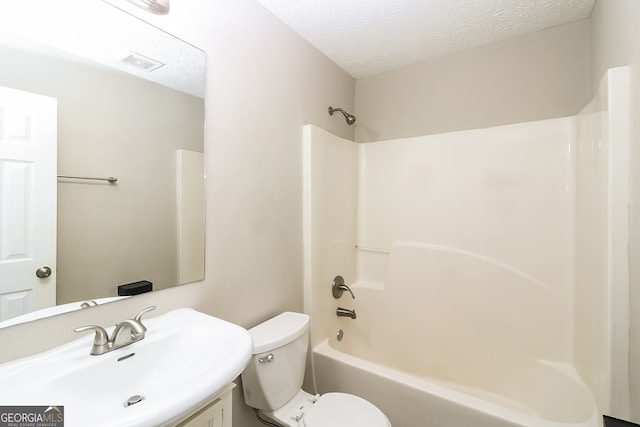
[272, 382]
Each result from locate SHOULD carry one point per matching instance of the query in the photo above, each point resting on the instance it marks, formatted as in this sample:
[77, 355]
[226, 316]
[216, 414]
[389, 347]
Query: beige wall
[615, 38]
[537, 76]
[263, 84]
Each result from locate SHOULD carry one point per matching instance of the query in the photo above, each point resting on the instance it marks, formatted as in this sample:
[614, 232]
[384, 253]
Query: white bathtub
[550, 394]
[476, 302]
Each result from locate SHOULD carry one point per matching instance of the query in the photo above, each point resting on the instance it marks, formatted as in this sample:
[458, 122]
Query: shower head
[351, 119]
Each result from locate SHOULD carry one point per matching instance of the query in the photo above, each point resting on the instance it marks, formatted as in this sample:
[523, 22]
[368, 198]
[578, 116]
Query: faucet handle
[100, 340]
[138, 317]
[338, 287]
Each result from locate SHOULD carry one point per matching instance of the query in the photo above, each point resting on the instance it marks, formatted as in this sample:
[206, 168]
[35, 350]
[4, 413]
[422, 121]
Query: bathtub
[550, 394]
[473, 305]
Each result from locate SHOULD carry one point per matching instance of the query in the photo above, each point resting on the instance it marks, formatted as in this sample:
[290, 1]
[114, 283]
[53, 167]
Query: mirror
[130, 105]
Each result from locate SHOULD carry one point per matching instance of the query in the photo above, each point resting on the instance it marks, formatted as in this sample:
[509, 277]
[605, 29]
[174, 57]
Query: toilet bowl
[272, 382]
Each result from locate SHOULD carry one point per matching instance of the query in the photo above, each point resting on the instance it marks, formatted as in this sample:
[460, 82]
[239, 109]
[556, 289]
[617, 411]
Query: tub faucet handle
[338, 287]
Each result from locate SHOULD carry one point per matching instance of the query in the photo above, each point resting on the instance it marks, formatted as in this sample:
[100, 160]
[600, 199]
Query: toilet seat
[343, 410]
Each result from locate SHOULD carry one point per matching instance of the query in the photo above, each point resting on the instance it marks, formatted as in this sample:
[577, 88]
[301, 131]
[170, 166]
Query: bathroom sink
[185, 357]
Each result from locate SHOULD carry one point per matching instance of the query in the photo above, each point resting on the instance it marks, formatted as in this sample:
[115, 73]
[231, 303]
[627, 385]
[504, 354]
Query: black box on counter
[135, 288]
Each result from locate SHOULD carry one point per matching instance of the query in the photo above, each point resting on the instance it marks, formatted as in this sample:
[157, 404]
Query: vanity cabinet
[214, 412]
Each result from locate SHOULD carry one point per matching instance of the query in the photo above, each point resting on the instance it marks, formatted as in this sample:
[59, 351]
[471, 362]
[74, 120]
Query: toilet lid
[344, 410]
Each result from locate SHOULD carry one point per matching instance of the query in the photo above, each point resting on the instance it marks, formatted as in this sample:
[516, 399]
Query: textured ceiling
[367, 37]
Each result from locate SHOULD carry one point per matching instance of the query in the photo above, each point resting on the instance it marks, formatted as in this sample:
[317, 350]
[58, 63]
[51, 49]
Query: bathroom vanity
[214, 412]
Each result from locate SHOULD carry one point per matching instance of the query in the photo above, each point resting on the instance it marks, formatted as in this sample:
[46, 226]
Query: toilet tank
[276, 370]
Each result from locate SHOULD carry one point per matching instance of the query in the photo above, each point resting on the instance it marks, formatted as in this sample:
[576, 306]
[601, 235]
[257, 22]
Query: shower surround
[488, 263]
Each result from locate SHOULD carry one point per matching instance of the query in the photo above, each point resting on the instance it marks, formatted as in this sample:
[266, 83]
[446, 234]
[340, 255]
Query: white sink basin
[185, 357]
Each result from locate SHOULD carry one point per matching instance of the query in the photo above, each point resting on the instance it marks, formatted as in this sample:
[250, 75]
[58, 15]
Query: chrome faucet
[126, 332]
[136, 331]
[343, 312]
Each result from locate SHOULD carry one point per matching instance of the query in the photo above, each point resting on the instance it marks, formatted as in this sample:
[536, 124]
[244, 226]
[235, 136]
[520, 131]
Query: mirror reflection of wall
[112, 124]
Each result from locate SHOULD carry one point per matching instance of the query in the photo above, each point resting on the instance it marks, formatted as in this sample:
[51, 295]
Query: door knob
[43, 272]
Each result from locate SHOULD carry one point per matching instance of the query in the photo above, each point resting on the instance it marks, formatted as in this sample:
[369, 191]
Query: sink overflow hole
[136, 398]
[125, 357]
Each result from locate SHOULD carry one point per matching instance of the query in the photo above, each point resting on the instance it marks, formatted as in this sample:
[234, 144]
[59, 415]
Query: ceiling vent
[141, 62]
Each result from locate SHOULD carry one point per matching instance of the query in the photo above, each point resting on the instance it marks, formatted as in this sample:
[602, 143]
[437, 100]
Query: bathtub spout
[343, 312]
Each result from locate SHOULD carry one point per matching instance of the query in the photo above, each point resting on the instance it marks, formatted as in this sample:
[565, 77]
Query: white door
[28, 193]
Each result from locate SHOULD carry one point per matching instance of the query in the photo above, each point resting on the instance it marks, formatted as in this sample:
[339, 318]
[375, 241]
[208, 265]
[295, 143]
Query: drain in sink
[136, 398]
